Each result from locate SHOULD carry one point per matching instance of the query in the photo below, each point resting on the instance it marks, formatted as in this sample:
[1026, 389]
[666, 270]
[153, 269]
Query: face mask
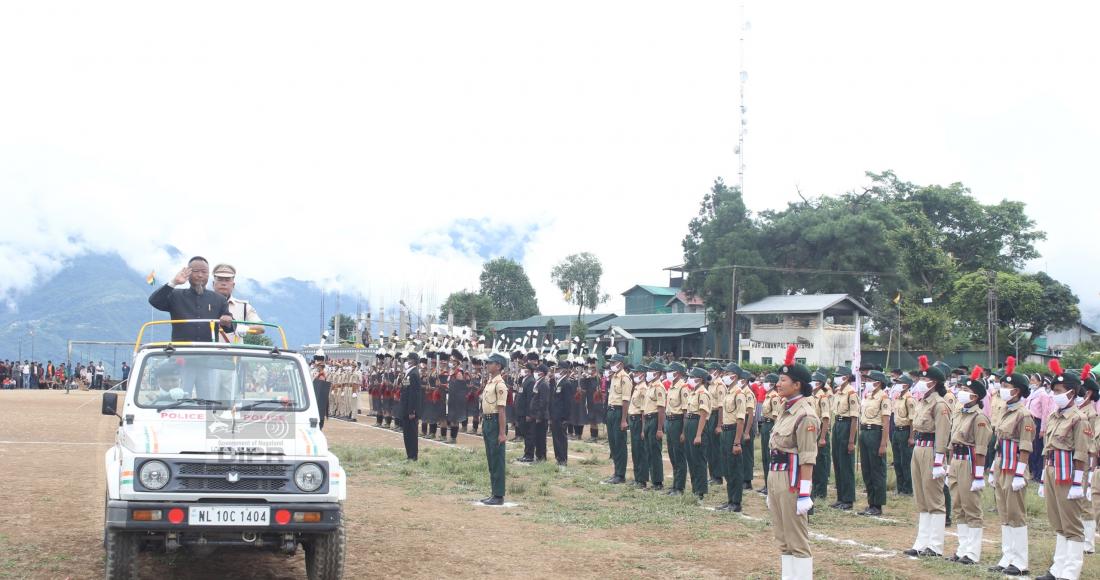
[1079, 401]
[895, 391]
[727, 381]
[538, 376]
[692, 383]
[452, 365]
[606, 374]
[650, 376]
[838, 381]
[1006, 394]
[966, 397]
[815, 384]
[768, 386]
[1061, 400]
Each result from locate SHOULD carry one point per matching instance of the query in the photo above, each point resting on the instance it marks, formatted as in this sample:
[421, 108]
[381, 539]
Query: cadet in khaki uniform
[713, 434]
[618, 403]
[493, 400]
[996, 408]
[822, 404]
[931, 435]
[1067, 438]
[845, 429]
[639, 454]
[970, 435]
[773, 404]
[747, 441]
[695, 421]
[790, 472]
[874, 437]
[904, 408]
[675, 410]
[653, 428]
[732, 413]
[1086, 404]
[953, 402]
[1015, 433]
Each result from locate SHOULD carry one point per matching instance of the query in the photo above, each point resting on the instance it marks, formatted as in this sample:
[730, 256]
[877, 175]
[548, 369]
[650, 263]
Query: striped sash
[1009, 455]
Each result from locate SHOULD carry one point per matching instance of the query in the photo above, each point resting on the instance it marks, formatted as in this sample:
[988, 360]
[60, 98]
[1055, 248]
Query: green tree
[579, 328]
[508, 288]
[1083, 352]
[1018, 300]
[257, 339]
[1058, 308]
[578, 277]
[347, 326]
[468, 307]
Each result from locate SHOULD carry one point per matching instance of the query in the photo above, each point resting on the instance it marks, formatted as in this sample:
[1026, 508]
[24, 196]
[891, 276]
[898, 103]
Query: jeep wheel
[325, 554]
[122, 555]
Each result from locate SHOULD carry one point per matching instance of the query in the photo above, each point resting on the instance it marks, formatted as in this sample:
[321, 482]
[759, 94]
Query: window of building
[767, 360]
[800, 361]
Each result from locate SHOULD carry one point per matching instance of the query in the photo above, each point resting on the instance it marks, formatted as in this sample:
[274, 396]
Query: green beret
[747, 375]
[713, 366]
[819, 377]
[733, 368]
[843, 371]
[904, 379]
[617, 358]
[699, 373]
[771, 378]
[878, 377]
[977, 385]
[677, 367]
[656, 366]
[498, 358]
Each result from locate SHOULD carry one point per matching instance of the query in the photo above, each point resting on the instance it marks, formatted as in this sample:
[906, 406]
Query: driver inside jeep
[166, 378]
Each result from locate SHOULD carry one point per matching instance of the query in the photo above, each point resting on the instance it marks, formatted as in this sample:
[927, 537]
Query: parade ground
[418, 520]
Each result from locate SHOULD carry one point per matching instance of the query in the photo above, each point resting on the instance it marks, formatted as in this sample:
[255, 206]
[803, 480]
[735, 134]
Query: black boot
[476, 424]
[454, 434]
[466, 426]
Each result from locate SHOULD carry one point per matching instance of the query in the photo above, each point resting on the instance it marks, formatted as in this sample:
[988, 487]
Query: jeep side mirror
[110, 403]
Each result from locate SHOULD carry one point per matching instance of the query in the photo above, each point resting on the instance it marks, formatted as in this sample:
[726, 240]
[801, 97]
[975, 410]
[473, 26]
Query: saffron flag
[897, 298]
[151, 278]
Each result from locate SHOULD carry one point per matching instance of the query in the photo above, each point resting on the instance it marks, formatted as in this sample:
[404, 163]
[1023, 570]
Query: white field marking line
[506, 504]
[872, 549]
[739, 514]
[55, 443]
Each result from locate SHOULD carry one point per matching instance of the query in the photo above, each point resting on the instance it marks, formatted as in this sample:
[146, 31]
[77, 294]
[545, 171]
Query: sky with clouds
[390, 148]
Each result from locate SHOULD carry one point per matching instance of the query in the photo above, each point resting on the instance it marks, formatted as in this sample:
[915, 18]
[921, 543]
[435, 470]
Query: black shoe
[614, 480]
[722, 507]
[658, 487]
[929, 553]
[1047, 576]
[639, 485]
[811, 512]
[1012, 570]
[996, 569]
[871, 511]
[836, 505]
[735, 507]
[844, 506]
[561, 464]
[952, 558]
[485, 499]
[494, 501]
[675, 492]
[763, 490]
[747, 486]
[714, 481]
[912, 553]
[947, 523]
[966, 561]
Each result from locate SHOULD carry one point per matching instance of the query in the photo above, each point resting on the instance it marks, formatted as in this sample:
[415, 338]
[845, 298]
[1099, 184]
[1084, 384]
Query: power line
[792, 270]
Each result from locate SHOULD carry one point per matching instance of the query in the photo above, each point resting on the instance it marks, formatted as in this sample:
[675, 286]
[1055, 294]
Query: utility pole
[992, 316]
[742, 77]
[734, 342]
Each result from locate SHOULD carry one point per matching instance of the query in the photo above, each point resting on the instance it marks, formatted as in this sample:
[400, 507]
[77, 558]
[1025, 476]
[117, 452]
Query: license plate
[229, 515]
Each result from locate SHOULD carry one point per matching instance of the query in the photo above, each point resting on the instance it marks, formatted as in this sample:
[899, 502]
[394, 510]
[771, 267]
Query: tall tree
[508, 288]
[468, 307]
[347, 326]
[1057, 309]
[578, 277]
[1018, 300]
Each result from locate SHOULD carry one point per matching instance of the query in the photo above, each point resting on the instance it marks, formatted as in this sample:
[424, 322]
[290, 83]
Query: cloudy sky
[390, 148]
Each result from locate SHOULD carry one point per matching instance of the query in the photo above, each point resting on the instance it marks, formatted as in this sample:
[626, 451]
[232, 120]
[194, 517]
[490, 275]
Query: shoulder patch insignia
[1088, 432]
[810, 428]
[980, 424]
[1029, 428]
[947, 412]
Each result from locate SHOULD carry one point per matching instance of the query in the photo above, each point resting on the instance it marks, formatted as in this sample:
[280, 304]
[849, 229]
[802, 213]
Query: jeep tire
[325, 554]
[122, 555]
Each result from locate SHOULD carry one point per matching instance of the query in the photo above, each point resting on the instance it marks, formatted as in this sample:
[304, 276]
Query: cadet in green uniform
[674, 427]
[748, 441]
[874, 436]
[618, 403]
[773, 404]
[904, 408]
[845, 429]
[695, 420]
[653, 429]
[639, 454]
[732, 414]
[822, 404]
[793, 454]
[713, 434]
[493, 400]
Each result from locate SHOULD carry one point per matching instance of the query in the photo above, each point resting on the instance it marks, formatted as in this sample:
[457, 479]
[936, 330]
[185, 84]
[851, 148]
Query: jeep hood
[176, 431]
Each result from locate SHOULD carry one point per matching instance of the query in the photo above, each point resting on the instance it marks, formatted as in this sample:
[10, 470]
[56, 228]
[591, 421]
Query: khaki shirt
[750, 399]
[952, 401]
[773, 405]
[494, 395]
[677, 402]
[698, 400]
[934, 416]
[619, 392]
[242, 310]
[905, 407]
[846, 402]
[972, 429]
[1068, 431]
[733, 406]
[823, 405]
[1017, 425]
[637, 398]
[717, 394]
[796, 431]
[996, 408]
[876, 409]
[1089, 411]
[655, 397]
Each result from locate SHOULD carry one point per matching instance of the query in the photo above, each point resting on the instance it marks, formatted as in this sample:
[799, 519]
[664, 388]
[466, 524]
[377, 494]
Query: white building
[823, 326]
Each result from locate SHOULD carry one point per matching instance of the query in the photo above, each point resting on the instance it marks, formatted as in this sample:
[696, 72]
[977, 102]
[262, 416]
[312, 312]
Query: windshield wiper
[178, 402]
[255, 404]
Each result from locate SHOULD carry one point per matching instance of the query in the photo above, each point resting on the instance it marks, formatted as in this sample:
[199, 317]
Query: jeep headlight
[309, 477]
[154, 474]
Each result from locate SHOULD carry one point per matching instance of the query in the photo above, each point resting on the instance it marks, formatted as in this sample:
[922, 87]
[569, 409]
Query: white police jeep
[219, 445]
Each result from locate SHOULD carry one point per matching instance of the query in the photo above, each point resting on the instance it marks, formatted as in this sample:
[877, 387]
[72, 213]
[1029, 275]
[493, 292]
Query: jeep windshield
[220, 381]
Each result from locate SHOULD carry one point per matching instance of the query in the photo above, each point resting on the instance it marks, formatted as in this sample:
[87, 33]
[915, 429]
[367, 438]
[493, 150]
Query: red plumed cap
[976, 373]
[1085, 372]
[791, 349]
[1010, 365]
[923, 362]
[1055, 367]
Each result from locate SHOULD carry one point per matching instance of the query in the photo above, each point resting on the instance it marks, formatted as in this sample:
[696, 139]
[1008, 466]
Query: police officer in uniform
[409, 404]
[618, 403]
[1015, 433]
[494, 398]
[675, 409]
[904, 408]
[732, 424]
[822, 404]
[874, 437]
[790, 472]
[561, 399]
[845, 430]
[695, 422]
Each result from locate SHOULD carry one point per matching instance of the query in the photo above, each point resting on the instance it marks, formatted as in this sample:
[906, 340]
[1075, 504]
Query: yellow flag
[568, 295]
[897, 298]
[151, 278]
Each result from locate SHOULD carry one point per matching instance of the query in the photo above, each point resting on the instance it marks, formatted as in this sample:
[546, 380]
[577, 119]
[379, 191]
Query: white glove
[1076, 492]
[804, 505]
[1019, 483]
[241, 330]
[938, 472]
[1088, 493]
[1042, 490]
[977, 485]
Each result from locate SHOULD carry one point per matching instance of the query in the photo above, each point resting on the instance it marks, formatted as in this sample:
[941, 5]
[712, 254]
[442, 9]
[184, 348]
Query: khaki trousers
[1010, 504]
[927, 492]
[791, 530]
[1064, 514]
[968, 504]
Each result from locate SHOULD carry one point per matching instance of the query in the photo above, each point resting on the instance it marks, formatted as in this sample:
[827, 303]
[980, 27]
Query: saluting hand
[182, 276]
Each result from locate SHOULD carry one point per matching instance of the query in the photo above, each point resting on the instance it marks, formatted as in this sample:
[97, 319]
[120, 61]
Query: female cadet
[698, 406]
[654, 424]
[970, 434]
[874, 435]
[733, 427]
[1067, 442]
[594, 399]
[674, 426]
[1086, 403]
[1015, 433]
[790, 472]
[457, 385]
[578, 411]
[931, 435]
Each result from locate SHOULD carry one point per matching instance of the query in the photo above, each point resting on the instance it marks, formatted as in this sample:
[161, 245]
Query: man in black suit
[193, 303]
[321, 386]
[409, 405]
[538, 411]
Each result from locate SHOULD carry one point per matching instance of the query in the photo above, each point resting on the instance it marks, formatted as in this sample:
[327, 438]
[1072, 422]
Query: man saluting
[192, 303]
